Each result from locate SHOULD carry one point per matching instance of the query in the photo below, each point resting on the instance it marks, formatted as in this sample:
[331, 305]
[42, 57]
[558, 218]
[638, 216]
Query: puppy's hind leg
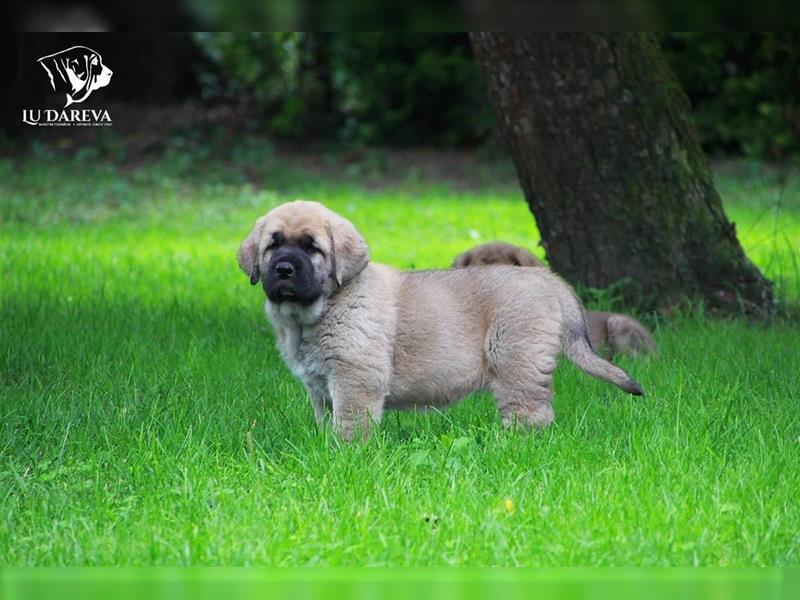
[521, 356]
[524, 403]
[521, 360]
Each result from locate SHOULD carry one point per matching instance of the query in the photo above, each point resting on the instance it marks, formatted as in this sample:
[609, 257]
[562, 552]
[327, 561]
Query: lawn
[147, 419]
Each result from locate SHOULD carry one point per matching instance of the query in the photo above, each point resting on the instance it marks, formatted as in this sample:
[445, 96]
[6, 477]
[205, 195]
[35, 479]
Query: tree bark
[607, 154]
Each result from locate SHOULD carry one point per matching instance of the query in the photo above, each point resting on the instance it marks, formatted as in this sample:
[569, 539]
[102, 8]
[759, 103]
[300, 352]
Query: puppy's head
[496, 253]
[301, 251]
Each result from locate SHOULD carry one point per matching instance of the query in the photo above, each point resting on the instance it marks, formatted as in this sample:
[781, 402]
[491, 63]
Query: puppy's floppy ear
[462, 260]
[349, 251]
[248, 254]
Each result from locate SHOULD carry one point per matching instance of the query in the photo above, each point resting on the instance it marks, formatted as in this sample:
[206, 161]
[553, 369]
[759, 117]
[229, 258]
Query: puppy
[615, 332]
[365, 337]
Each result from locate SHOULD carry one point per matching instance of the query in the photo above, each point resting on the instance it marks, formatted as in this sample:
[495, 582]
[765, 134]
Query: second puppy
[617, 333]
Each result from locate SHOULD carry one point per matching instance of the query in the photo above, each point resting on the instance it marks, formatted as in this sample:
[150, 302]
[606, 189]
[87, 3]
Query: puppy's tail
[579, 351]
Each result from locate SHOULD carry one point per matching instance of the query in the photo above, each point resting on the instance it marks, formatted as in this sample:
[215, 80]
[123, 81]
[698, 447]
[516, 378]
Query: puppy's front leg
[319, 402]
[317, 388]
[357, 403]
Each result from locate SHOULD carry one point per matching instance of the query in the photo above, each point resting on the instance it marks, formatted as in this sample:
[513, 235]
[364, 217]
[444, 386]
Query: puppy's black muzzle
[291, 278]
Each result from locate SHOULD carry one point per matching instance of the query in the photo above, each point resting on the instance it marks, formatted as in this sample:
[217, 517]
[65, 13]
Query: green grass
[147, 419]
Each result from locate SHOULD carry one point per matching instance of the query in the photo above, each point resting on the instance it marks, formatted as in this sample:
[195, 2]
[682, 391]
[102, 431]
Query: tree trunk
[607, 154]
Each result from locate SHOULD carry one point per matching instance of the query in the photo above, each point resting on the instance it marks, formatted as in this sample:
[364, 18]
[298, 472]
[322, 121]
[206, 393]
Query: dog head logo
[76, 71]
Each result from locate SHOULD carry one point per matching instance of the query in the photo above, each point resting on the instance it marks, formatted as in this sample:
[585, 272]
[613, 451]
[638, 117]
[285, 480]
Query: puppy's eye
[310, 245]
[276, 240]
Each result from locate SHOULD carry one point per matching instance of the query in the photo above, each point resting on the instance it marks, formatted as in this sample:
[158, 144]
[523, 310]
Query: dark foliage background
[372, 88]
[745, 89]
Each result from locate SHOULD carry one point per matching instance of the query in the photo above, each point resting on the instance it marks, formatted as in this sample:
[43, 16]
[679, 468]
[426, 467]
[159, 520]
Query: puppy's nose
[284, 269]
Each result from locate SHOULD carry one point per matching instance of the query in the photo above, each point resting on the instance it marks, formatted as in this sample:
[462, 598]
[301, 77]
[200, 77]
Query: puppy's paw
[542, 415]
[538, 415]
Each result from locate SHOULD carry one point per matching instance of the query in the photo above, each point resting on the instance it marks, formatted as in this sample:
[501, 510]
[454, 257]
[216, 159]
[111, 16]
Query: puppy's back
[629, 336]
[472, 289]
[456, 308]
[445, 319]
[463, 311]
